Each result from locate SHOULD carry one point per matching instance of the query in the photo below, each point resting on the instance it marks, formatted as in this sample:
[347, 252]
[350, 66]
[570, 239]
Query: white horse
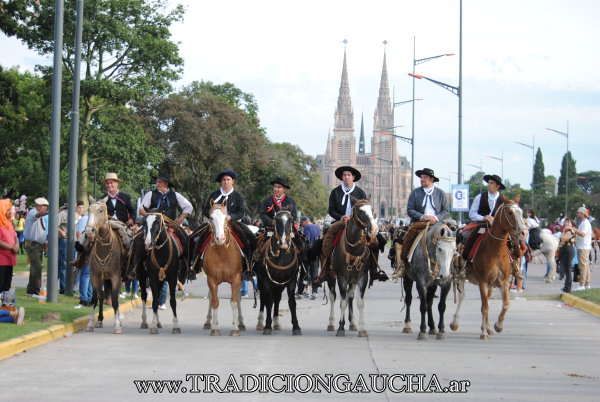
[546, 253]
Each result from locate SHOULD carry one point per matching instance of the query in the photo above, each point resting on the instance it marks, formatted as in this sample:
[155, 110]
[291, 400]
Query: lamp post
[566, 135]
[501, 159]
[532, 147]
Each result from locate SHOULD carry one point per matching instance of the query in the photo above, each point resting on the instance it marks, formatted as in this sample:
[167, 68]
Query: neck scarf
[163, 197]
[428, 193]
[276, 201]
[224, 195]
[346, 197]
[492, 200]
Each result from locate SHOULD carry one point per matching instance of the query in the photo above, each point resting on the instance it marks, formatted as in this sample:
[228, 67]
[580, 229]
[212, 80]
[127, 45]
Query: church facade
[385, 174]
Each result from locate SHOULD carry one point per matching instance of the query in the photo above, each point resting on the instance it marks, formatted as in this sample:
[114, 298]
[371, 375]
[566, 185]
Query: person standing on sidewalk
[566, 252]
[9, 244]
[36, 236]
[583, 243]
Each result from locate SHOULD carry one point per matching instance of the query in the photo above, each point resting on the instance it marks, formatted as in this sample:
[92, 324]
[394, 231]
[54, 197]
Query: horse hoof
[242, 327]
[267, 331]
[422, 336]
[340, 332]
[277, 327]
[454, 327]
[207, 326]
[99, 324]
[215, 332]
[407, 330]
[483, 337]
[159, 325]
[260, 327]
[362, 333]
[144, 325]
[118, 330]
[352, 327]
[330, 328]
[497, 328]
[433, 332]
[89, 329]
[235, 332]
[296, 332]
[441, 335]
[176, 330]
[490, 332]
[153, 331]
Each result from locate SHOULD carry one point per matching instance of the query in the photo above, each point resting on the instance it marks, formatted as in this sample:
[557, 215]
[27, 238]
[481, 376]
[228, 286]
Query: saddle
[478, 229]
[409, 238]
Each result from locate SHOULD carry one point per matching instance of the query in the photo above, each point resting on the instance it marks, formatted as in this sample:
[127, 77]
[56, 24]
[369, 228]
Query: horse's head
[152, 229]
[218, 221]
[510, 218]
[445, 249]
[97, 217]
[362, 214]
[283, 222]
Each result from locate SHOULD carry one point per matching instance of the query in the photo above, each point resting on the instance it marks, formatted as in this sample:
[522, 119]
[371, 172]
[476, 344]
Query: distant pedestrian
[36, 236]
[19, 224]
[9, 244]
[583, 242]
[566, 253]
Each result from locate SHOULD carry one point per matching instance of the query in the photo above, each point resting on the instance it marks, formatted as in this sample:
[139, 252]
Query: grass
[591, 295]
[22, 263]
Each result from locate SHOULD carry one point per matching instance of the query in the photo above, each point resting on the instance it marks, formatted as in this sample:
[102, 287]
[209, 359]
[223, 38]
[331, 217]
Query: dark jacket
[169, 206]
[484, 205]
[268, 209]
[235, 204]
[123, 208]
[416, 209]
[336, 209]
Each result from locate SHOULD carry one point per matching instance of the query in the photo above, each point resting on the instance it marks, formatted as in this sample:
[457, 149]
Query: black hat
[494, 177]
[281, 180]
[339, 171]
[428, 172]
[229, 173]
[163, 176]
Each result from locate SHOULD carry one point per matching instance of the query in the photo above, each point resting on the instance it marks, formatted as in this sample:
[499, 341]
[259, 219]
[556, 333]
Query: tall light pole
[501, 159]
[566, 135]
[532, 147]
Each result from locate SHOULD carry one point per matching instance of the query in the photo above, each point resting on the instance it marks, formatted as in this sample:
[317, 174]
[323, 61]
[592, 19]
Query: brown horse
[491, 265]
[222, 263]
[107, 260]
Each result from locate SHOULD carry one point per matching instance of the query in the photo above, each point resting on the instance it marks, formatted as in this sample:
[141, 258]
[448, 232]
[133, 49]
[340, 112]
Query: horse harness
[355, 261]
[162, 270]
[268, 251]
[432, 263]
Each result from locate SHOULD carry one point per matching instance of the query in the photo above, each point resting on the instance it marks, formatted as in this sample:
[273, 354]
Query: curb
[581, 304]
[17, 345]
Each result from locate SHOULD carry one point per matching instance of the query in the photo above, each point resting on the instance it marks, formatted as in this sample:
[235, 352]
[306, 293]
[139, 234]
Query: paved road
[547, 352]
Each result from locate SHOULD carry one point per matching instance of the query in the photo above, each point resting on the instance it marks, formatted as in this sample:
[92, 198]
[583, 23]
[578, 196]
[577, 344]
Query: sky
[527, 65]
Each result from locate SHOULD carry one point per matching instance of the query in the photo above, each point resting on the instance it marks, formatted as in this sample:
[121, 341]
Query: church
[385, 174]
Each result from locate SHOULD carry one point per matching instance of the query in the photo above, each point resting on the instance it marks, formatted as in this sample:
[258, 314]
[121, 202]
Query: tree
[572, 184]
[589, 181]
[539, 177]
[476, 185]
[127, 52]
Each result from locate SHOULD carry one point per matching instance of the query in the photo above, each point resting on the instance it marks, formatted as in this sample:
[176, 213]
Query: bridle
[354, 261]
[226, 230]
[292, 249]
[162, 229]
[500, 214]
[98, 241]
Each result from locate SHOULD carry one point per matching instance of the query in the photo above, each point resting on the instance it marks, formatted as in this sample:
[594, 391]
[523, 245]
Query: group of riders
[427, 205]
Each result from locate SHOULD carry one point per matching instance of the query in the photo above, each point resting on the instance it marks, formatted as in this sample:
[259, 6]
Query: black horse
[155, 257]
[277, 263]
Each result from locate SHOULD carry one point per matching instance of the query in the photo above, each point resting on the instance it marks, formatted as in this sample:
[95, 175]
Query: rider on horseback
[425, 204]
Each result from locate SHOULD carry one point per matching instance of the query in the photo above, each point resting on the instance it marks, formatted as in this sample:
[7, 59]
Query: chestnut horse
[107, 260]
[491, 265]
[222, 263]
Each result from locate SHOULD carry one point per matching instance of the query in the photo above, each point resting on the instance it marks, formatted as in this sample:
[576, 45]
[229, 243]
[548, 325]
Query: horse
[491, 265]
[276, 270]
[547, 250]
[154, 251]
[433, 255]
[107, 260]
[222, 263]
[350, 262]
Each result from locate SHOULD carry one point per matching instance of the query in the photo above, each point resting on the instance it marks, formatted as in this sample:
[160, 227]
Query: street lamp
[501, 159]
[532, 147]
[566, 135]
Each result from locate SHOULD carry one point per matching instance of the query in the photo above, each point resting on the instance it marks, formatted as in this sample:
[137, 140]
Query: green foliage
[589, 181]
[539, 176]
[567, 160]
[476, 185]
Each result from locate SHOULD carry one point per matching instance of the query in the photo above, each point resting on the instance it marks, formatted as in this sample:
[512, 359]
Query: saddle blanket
[209, 237]
[476, 246]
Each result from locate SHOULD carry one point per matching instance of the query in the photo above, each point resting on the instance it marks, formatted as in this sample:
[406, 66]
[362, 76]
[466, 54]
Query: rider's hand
[489, 219]
[130, 223]
[228, 218]
[430, 218]
[345, 217]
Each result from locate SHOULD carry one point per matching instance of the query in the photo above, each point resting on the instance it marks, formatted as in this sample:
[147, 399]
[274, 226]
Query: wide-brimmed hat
[226, 172]
[281, 180]
[584, 211]
[339, 171]
[494, 177]
[41, 201]
[111, 176]
[428, 172]
[163, 176]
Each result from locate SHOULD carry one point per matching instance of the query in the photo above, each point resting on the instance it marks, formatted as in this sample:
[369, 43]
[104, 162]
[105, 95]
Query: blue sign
[460, 198]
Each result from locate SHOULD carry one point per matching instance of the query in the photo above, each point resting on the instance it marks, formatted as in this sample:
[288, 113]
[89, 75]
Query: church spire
[383, 113]
[361, 141]
[343, 142]
[344, 116]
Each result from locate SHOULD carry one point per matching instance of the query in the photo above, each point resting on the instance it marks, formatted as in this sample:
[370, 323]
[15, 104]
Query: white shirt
[532, 223]
[429, 209]
[184, 204]
[473, 212]
[585, 242]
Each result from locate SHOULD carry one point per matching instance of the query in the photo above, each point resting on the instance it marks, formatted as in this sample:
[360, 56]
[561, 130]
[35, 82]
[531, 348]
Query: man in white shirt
[583, 244]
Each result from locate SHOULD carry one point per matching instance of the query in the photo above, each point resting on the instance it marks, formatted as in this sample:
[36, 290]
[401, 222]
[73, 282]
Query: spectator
[8, 312]
[566, 252]
[85, 286]
[583, 243]
[19, 224]
[312, 232]
[63, 217]
[9, 244]
[36, 235]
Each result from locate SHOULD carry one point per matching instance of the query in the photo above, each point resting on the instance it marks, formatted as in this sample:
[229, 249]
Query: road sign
[460, 197]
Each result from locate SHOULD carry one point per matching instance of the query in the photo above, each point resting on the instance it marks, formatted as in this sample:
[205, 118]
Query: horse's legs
[505, 305]
[423, 309]
[172, 301]
[461, 296]
[266, 297]
[261, 315]
[342, 286]
[207, 323]
[144, 289]
[484, 292]
[332, 296]
[155, 288]
[291, 290]
[95, 288]
[430, 321]
[101, 296]
[235, 303]
[360, 303]
[352, 326]
[550, 258]
[277, 291]
[407, 284]
[241, 325]
[115, 287]
[214, 306]
[444, 290]
[490, 331]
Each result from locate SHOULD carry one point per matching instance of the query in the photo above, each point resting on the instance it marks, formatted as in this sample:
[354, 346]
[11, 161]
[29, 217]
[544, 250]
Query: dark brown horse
[107, 260]
[491, 265]
[222, 263]
[350, 262]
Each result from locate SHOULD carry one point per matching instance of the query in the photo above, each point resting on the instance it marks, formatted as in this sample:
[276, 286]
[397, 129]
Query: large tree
[539, 177]
[567, 164]
[127, 52]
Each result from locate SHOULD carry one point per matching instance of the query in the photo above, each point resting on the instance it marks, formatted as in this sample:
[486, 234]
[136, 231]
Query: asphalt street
[548, 351]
